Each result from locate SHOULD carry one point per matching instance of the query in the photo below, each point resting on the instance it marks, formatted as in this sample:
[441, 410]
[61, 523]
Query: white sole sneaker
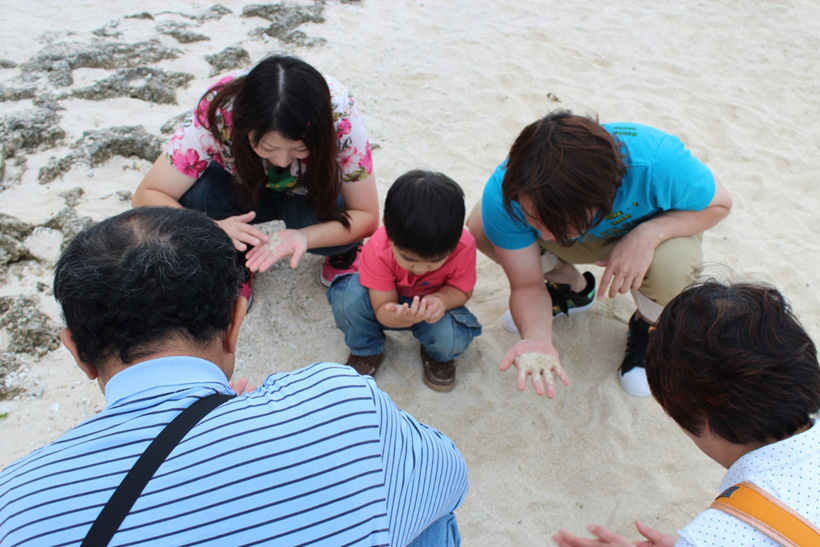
[634, 382]
[509, 324]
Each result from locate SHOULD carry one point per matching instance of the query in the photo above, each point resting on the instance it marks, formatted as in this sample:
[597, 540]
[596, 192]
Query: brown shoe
[366, 365]
[438, 376]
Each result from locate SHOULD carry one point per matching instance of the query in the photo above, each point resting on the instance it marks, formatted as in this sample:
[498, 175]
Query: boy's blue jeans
[213, 194]
[364, 335]
[442, 533]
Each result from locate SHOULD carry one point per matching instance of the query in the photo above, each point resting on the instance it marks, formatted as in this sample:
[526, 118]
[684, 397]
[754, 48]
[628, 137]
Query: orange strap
[768, 514]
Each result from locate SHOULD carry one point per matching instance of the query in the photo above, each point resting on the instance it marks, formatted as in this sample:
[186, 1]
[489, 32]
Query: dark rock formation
[72, 197]
[30, 130]
[109, 30]
[214, 13]
[14, 228]
[142, 15]
[228, 59]
[30, 330]
[9, 364]
[12, 234]
[180, 31]
[284, 19]
[144, 83]
[95, 147]
[16, 93]
[67, 221]
[58, 60]
[11, 250]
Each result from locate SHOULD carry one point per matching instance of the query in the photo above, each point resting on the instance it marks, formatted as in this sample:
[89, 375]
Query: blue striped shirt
[318, 455]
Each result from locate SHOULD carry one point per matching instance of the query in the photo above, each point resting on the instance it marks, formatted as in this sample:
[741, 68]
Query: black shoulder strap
[118, 507]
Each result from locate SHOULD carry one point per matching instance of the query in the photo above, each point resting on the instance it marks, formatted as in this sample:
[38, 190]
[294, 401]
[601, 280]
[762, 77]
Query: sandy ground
[447, 85]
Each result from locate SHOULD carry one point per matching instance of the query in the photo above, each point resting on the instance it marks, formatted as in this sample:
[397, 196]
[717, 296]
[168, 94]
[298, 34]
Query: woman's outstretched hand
[291, 243]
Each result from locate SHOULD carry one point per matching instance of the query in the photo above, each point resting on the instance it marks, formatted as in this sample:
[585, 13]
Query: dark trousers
[214, 195]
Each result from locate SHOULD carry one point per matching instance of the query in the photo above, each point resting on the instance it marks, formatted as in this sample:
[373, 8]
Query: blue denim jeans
[213, 194]
[364, 335]
[442, 533]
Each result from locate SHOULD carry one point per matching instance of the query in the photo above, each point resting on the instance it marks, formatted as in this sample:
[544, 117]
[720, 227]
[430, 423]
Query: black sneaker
[341, 264]
[565, 301]
[632, 372]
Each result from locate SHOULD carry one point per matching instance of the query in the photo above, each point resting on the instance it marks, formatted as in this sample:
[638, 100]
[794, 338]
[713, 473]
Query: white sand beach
[447, 85]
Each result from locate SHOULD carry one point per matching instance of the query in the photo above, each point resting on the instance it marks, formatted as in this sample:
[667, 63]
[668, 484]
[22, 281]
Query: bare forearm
[145, 197]
[451, 297]
[673, 224]
[531, 308]
[163, 185]
[333, 233]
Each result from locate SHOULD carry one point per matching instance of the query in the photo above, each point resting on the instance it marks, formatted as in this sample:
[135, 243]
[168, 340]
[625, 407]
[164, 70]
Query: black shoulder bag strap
[126, 494]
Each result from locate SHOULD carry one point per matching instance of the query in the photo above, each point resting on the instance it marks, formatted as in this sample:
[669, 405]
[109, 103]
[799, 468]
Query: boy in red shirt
[417, 272]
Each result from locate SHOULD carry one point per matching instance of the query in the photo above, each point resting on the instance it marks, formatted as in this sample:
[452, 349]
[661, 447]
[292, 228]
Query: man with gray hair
[151, 300]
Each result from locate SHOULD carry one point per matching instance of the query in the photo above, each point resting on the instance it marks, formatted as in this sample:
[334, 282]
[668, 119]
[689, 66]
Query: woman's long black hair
[286, 95]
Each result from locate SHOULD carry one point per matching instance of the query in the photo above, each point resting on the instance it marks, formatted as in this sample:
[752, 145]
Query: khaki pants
[673, 267]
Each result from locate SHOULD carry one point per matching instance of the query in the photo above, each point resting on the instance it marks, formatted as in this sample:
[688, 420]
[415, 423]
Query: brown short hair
[569, 167]
[734, 356]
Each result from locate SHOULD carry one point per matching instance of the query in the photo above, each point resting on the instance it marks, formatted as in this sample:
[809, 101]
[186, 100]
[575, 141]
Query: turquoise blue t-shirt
[662, 175]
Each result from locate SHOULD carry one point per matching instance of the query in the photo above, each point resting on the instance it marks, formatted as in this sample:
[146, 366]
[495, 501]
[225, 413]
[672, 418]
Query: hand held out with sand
[241, 232]
[421, 309]
[282, 243]
[536, 358]
[611, 539]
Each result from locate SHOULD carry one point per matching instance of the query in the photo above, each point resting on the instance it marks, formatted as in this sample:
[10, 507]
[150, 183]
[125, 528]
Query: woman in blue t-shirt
[624, 196]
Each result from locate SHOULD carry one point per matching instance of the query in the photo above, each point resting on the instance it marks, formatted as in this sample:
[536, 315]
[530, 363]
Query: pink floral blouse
[193, 146]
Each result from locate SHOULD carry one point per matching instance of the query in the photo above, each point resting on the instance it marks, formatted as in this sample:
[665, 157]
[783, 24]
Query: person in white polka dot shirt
[732, 365]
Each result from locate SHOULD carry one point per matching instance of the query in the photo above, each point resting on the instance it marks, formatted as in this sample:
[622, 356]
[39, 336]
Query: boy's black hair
[424, 214]
[140, 277]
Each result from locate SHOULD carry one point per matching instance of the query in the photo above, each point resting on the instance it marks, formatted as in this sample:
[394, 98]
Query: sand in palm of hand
[274, 241]
[535, 362]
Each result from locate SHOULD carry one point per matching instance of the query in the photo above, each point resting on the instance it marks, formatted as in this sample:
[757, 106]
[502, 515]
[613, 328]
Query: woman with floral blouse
[277, 142]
